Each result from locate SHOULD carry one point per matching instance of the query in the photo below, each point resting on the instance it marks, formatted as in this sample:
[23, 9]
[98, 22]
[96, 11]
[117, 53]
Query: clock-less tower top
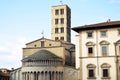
[61, 23]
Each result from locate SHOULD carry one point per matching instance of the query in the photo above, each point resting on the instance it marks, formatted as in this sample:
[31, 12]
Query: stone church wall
[70, 73]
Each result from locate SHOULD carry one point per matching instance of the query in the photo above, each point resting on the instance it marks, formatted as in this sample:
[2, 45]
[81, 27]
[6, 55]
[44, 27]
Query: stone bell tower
[61, 23]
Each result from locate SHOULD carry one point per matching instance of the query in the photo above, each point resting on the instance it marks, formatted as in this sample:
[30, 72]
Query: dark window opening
[56, 21]
[90, 50]
[61, 11]
[56, 30]
[56, 38]
[62, 20]
[62, 38]
[91, 73]
[89, 34]
[56, 12]
[62, 30]
[105, 73]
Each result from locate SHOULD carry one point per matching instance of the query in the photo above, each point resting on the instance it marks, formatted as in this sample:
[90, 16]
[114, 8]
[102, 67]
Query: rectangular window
[61, 11]
[105, 73]
[103, 33]
[62, 20]
[42, 43]
[89, 34]
[62, 38]
[104, 49]
[56, 30]
[56, 21]
[62, 30]
[56, 12]
[90, 50]
[56, 38]
[91, 73]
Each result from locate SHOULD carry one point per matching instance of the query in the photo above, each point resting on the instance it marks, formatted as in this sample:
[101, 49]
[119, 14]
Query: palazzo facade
[98, 51]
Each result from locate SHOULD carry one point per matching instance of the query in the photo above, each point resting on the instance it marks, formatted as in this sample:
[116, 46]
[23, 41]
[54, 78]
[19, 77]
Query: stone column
[29, 76]
[54, 75]
[61, 75]
[32, 76]
[48, 76]
[26, 76]
[22, 76]
[45, 76]
[39, 76]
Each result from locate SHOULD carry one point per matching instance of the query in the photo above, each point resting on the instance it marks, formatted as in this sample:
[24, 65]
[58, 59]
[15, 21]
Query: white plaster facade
[83, 59]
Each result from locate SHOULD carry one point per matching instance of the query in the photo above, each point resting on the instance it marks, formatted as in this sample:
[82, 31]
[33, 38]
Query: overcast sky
[22, 21]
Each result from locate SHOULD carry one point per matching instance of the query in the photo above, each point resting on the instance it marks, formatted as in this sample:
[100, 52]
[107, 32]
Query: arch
[117, 42]
[104, 43]
[91, 66]
[90, 44]
[105, 65]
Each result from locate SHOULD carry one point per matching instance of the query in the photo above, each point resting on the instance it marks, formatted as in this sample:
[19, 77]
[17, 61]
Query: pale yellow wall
[59, 48]
[71, 73]
[58, 51]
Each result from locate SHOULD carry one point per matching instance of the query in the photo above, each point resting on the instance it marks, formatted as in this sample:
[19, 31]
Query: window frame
[89, 73]
[56, 21]
[105, 73]
[56, 38]
[103, 35]
[105, 66]
[61, 11]
[62, 29]
[90, 50]
[62, 20]
[57, 12]
[117, 45]
[56, 30]
[93, 68]
[104, 44]
[90, 45]
[88, 34]
[62, 38]
[106, 50]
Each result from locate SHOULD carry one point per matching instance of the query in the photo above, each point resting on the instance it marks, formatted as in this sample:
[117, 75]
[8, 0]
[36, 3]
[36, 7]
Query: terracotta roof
[103, 25]
[42, 55]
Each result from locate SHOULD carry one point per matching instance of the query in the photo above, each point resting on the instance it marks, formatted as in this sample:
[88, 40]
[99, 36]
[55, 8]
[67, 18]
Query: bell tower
[61, 23]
